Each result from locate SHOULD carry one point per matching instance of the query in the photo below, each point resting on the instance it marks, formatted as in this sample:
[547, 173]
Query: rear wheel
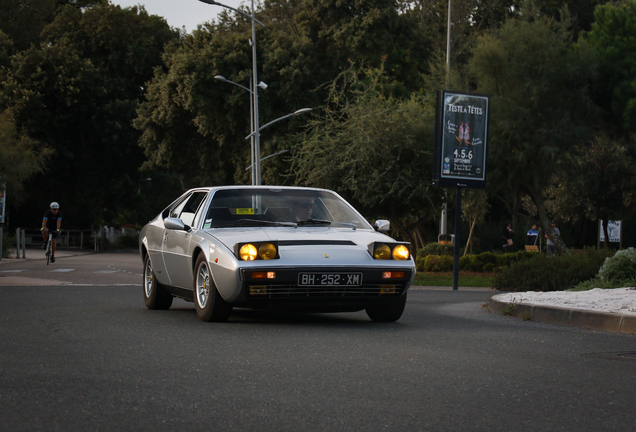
[208, 302]
[387, 310]
[155, 295]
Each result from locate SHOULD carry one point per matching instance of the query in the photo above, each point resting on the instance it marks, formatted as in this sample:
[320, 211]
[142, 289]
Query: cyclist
[51, 222]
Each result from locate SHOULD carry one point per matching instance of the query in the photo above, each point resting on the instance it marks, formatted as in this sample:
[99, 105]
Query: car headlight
[267, 251]
[256, 251]
[248, 252]
[401, 252]
[387, 251]
[382, 252]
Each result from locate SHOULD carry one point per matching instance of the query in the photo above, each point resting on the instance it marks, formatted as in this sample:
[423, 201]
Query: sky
[181, 13]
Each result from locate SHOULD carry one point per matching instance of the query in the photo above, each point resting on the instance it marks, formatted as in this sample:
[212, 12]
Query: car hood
[310, 246]
[230, 236]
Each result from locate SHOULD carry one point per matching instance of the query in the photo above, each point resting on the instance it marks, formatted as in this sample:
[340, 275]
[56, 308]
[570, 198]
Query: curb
[572, 317]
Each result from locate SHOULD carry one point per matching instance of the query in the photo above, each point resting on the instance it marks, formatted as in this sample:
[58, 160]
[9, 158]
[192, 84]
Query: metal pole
[23, 238]
[17, 239]
[81, 240]
[448, 35]
[257, 139]
[458, 225]
[252, 142]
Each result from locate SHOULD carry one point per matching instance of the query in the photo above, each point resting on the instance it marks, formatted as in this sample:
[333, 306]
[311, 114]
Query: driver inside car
[303, 208]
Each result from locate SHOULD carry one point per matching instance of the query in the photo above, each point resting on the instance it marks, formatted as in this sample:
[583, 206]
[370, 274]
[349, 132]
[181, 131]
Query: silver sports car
[273, 248]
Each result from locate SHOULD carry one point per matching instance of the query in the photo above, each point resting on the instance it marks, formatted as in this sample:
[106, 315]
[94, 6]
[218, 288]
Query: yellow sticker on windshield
[244, 211]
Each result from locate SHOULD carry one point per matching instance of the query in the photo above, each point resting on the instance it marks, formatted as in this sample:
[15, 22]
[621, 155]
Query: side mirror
[382, 225]
[175, 224]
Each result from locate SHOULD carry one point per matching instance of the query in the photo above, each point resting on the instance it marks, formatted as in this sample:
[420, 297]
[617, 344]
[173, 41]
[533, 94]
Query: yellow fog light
[258, 290]
[387, 289]
[267, 251]
[248, 252]
[382, 252]
[401, 252]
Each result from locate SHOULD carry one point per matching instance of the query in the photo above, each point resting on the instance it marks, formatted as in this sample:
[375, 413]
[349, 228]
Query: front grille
[335, 292]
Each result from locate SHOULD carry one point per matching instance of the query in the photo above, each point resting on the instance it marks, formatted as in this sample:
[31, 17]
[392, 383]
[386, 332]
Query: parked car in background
[273, 248]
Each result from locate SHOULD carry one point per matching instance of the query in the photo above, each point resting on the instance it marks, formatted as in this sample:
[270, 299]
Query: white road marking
[107, 271]
[62, 270]
[11, 271]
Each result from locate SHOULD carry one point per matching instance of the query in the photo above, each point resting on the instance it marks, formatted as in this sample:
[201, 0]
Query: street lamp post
[257, 144]
[295, 113]
[278, 153]
[263, 86]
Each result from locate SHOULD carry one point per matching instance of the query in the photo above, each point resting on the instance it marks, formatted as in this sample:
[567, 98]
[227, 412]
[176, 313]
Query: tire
[208, 302]
[155, 295]
[387, 310]
[48, 250]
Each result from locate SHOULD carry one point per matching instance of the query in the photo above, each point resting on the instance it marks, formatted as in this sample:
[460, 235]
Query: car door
[176, 243]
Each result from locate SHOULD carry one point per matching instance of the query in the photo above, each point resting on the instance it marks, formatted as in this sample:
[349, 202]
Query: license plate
[330, 279]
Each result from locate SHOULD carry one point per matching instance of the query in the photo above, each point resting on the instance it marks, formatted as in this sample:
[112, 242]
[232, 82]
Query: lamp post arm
[222, 78]
[212, 2]
[295, 113]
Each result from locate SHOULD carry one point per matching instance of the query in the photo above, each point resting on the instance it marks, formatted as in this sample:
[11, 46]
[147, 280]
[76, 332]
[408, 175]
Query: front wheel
[208, 302]
[155, 295]
[387, 310]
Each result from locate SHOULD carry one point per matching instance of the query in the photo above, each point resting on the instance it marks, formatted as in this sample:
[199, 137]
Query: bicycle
[49, 246]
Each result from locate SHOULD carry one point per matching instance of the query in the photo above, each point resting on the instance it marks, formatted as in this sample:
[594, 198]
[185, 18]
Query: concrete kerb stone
[563, 316]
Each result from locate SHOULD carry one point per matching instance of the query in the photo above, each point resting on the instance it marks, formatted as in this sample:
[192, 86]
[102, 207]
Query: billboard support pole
[458, 226]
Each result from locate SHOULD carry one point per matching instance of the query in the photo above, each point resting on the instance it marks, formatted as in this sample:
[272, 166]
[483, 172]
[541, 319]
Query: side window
[176, 211]
[190, 208]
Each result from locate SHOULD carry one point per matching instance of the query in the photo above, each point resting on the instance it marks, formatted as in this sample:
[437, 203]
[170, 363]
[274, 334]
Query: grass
[466, 279]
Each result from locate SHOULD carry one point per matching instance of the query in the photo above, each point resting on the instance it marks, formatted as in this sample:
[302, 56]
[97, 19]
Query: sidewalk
[36, 253]
[559, 313]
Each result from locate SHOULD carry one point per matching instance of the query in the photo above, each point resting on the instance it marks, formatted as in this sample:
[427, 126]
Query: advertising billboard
[461, 140]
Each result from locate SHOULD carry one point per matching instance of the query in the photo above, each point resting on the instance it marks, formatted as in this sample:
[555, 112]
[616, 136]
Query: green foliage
[436, 249]
[620, 267]
[8, 242]
[541, 273]
[436, 263]
[538, 114]
[127, 242]
[77, 93]
[20, 156]
[612, 35]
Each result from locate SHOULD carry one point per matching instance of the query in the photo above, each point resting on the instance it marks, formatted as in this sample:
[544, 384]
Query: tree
[540, 107]
[375, 150]
[303, 46]
[600, 183]
[20, 156]
[77, 93]
[612, 34]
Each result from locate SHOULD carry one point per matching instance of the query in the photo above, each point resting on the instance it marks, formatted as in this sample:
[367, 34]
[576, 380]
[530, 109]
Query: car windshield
[281, 207]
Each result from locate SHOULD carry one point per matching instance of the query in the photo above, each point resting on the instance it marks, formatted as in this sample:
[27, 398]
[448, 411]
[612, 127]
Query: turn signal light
[393, 275]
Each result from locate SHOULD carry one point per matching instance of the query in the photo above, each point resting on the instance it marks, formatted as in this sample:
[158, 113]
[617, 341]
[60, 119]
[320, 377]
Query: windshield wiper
[253, 222]
[315, 222]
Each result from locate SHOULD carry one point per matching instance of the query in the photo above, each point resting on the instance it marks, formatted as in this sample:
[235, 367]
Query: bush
[471, 263]
[8, 242]
[127, 241]
[541, 273]
[620, 267]
[437, 263]
[488, 258]
[436, 249]
[489, 268]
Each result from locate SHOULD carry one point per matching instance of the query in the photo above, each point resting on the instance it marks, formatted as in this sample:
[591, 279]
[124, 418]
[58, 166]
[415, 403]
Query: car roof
[226, 187]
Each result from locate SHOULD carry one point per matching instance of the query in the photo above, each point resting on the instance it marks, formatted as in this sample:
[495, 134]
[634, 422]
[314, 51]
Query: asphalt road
[93, 358]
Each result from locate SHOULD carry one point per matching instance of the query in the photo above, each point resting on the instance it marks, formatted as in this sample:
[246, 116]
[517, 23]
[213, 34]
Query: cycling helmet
[55, 205]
